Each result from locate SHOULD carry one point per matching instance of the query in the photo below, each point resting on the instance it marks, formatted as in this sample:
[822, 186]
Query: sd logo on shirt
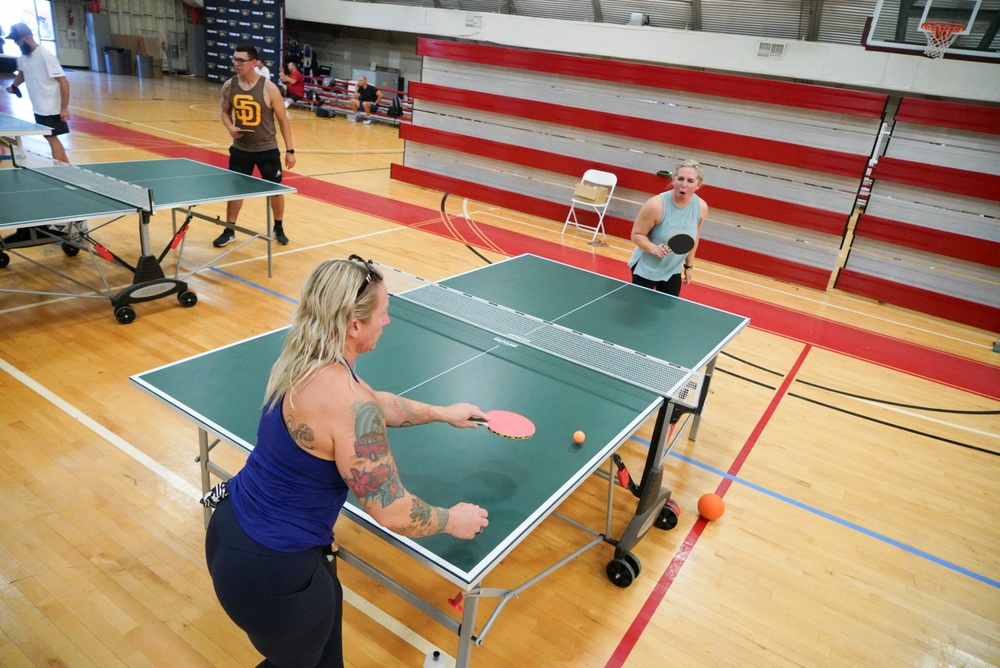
[246, 112]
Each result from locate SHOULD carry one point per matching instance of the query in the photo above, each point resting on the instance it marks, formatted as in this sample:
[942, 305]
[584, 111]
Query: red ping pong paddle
[681, 243]
[507, 424]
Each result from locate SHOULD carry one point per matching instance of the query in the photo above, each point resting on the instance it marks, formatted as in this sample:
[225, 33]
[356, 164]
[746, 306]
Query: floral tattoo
[377, 481]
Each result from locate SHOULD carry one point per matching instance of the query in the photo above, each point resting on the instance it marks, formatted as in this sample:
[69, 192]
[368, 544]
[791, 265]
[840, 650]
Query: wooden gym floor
[856, 445]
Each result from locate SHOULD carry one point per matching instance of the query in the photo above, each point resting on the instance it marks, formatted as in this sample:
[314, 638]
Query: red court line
[641, 621]
[959, 372]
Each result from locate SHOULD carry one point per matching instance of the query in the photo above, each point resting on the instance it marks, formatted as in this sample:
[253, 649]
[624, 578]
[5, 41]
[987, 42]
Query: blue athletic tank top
[676, 220]
[284, 498]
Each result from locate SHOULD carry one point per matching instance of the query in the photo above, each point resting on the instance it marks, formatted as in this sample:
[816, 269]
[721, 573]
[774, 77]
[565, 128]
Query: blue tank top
[675, 220]
[284, 498]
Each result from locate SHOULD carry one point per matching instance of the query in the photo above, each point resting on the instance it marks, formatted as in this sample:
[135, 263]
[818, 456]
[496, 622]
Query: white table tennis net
[72, 176]
[611, 359]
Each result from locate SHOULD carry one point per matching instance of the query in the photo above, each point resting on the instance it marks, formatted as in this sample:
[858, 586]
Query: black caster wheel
[4, 260]
[667, 519]
[124, 314]
[634, 562]
[187, 299]
[70, 250]
[620, 572]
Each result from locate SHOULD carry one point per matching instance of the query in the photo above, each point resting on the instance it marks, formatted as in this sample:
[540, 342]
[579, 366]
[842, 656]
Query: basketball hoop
[940, 35]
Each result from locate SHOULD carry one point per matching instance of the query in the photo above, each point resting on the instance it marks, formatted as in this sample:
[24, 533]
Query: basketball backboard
[895, 27]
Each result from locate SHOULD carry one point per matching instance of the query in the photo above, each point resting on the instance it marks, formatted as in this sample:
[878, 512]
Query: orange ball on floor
[711, 506]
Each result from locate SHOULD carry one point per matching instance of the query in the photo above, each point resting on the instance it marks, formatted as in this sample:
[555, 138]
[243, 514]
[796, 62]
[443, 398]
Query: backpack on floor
[395, 109]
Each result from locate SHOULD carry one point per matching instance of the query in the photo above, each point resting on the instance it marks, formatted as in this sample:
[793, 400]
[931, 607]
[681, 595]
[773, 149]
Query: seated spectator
[295, 84]
[366, 99]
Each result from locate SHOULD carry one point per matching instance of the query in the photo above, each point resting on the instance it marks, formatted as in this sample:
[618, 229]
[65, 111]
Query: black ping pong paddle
[681, 243]
[15, 90]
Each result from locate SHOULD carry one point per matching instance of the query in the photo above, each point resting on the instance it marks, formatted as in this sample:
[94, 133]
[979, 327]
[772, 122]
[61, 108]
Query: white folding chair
[593, 178]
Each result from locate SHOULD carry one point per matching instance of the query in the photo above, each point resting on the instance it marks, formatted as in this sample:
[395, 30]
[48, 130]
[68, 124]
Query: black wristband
[290, 150]
[689, 266]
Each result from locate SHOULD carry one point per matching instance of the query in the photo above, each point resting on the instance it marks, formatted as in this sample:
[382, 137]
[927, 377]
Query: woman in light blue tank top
[677, 211]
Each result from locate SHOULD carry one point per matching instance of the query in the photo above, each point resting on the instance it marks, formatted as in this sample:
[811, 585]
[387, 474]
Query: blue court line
[834, 518]
[258, 286]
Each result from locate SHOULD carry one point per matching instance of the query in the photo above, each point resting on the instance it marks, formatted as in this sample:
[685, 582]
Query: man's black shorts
[55, 121]
[268, 163]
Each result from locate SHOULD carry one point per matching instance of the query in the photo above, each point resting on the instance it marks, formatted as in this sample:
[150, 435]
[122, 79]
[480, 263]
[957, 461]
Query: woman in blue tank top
[677, 211]
[323, 432]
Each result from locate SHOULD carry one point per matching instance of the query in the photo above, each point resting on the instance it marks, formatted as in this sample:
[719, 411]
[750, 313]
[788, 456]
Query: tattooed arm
[369, 469]
[401, 412]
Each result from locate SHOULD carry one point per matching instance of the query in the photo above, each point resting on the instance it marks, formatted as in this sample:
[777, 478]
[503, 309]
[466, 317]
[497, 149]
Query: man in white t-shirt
[47, 84]
[48, 89]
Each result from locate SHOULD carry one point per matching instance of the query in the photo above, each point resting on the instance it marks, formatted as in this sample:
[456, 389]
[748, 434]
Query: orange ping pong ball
[711, 506]
[578, 436]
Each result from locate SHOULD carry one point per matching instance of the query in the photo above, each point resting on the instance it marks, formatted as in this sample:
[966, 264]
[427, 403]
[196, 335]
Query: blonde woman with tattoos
[323, 432]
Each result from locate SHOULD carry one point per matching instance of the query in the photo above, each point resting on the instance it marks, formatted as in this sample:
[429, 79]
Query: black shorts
[55, 121]
[268, 163]
[671, 286]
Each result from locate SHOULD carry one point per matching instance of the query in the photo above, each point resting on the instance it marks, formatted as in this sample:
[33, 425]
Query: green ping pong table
[65, 204]
[13, 128]
[569, 349]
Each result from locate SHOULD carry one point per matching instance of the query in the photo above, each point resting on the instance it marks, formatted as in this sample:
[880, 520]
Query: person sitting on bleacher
[295, 84]
[366, 99]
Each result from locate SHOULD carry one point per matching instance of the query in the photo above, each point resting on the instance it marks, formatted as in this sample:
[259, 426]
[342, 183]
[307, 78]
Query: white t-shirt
[41, 70]
[263, 71]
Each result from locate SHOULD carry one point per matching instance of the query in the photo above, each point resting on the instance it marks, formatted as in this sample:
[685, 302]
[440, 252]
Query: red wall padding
[936, 177]
[796, 215]
[803, 96]
[728, 143]
[956, 115]
[924, 301]
[940, 242]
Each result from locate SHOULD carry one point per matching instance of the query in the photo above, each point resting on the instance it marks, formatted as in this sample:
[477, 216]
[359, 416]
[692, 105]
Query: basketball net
[940, 35]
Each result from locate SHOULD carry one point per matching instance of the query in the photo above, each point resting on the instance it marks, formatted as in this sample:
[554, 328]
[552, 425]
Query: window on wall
[36, 14]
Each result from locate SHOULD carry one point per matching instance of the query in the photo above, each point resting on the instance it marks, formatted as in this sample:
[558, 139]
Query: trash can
[144, 66]
[117, 61]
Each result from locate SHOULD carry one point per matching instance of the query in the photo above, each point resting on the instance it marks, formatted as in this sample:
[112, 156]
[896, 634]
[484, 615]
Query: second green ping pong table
[66, 204]
[568, 348]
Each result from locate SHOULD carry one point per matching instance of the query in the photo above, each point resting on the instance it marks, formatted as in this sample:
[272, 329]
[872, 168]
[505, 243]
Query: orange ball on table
[711, 506]
[578, 437]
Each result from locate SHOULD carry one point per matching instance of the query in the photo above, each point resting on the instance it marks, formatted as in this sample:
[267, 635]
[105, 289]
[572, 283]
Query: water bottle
[435, 660]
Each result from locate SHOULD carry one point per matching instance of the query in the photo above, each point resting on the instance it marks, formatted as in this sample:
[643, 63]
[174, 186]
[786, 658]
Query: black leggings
[671, 286]
[290, 604]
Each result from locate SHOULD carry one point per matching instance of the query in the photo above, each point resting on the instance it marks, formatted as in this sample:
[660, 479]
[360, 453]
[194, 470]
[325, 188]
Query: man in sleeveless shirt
[676, 211]
[251, 110]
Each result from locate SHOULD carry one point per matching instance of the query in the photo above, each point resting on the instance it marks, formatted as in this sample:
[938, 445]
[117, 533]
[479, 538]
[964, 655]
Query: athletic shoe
[357, 117]
[227, 237]
[368, 120]
[288, 102]
[279, 236]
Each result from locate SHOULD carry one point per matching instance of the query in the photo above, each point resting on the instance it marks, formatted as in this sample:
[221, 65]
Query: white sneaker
[368, 120]
[288, 102]
[357, 117]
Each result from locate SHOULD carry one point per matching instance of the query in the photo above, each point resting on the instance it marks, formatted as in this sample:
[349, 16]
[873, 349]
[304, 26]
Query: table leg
[270, 236]
[206, 480]
[464, 654]
[709, 371]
